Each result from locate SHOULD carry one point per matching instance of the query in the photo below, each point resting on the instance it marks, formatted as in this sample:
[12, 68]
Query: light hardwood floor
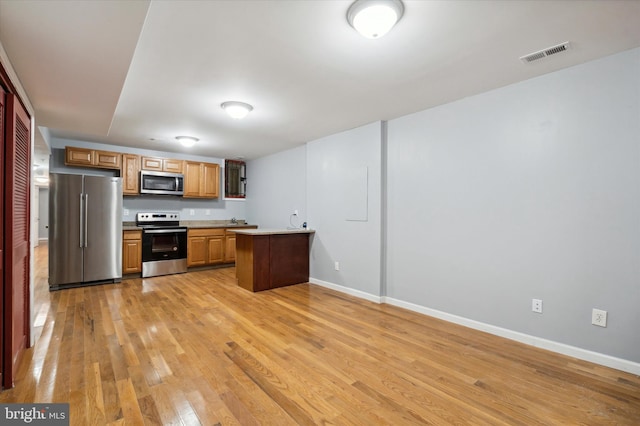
[196, 349]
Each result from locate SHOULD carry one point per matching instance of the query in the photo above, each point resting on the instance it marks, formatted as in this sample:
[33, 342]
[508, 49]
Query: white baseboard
[342, 289]
[561, 348]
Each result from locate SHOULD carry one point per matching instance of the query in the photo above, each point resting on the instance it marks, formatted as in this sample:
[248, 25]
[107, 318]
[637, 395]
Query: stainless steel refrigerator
[85, 230]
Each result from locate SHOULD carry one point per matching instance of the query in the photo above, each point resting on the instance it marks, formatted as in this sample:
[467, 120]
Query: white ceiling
[139, 73]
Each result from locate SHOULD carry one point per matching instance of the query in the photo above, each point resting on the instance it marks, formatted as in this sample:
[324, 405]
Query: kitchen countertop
[271, 231]
[193, 224]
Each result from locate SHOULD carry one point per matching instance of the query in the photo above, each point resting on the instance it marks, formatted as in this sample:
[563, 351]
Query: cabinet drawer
[206, 232]
[132, 235]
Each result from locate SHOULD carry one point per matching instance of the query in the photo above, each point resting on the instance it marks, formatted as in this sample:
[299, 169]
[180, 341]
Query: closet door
[16, 236]
[2, 138]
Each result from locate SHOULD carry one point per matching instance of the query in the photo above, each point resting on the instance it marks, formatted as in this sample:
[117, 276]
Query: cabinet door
[152, 163]
[215, 252]
[131, 252]
[130, 174]
[210, 180]
[108, 160]
[230, 248]
[172, 166]
[196, 251]
[191, 179]
[78, 156]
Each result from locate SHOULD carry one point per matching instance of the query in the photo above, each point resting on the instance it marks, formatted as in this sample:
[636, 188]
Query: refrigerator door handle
[81, 220]
[86, 220]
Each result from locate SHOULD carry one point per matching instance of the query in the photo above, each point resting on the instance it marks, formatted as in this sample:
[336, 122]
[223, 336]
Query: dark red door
[2, 137]
[16, 236]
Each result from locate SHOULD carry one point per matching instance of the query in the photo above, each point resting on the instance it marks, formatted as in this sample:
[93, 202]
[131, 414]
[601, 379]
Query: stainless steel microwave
[161, 183]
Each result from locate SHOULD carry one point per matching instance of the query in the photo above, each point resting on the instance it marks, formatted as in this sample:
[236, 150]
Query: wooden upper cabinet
[151, 163]
[201, 180]
[172, 166]
[78, 156]
[210, 185]
[191, 179]
[162, 164]
[92, 158]
[130, 173]
[108, 160]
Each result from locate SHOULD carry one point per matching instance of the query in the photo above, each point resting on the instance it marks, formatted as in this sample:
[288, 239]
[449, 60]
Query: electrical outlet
[536, 305]
[192, 212]
[599, 317]
[295, 212]
[337, 266]
[125, 212]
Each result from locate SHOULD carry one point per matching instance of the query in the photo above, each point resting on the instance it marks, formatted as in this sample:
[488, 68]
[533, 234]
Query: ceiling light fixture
[374, 18]
[236, 109]
[187, 141]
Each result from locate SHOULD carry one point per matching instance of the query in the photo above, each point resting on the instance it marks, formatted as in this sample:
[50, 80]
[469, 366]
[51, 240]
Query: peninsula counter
[272, 258]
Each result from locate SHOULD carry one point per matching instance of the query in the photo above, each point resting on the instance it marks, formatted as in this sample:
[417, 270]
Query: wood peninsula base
[271, 258]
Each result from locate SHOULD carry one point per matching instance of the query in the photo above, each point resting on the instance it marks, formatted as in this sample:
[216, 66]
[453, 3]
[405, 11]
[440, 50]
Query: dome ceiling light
[187, 141]
[374, 18]
[236, 109]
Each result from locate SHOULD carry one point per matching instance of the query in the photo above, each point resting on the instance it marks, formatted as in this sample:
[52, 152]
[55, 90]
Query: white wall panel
[528, 191]
[343, 183]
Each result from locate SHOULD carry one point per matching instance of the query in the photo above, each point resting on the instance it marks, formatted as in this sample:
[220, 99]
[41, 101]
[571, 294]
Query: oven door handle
[163, 231]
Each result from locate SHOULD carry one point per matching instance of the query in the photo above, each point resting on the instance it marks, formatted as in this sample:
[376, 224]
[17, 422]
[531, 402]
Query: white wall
[343, 201]
[529, 191]
[276, 186]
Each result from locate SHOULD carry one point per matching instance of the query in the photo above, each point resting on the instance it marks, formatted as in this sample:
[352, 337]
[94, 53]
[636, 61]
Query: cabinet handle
[81, 214]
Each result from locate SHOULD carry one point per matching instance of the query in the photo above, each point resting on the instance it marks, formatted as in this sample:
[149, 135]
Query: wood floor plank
[197, 349]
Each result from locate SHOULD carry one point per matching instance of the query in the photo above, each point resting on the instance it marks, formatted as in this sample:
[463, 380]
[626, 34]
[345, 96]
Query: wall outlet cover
[536, 305]
[599, 317]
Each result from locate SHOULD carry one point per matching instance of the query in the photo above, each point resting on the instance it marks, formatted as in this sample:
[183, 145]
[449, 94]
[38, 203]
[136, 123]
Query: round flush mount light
[187, 141]
[236, 109]
[374, 18]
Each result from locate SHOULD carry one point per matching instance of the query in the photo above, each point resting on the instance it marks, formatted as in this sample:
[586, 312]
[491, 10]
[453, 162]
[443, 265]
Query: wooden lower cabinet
[230, 247]
[205, 246]
[131, 252]
[212, 246]
[215, 250]
[196, 251]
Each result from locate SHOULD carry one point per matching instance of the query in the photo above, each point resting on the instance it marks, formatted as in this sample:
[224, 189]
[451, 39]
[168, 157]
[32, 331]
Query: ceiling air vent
[545, 52]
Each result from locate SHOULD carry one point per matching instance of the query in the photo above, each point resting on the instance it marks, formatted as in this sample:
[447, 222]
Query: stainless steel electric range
[164, 243]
